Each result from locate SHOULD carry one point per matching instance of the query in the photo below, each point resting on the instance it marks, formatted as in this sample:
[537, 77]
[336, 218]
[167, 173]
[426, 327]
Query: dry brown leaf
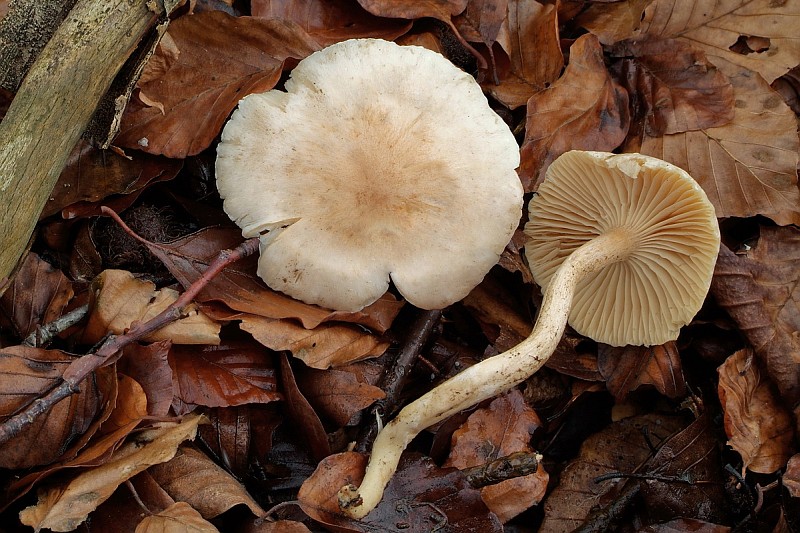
[233, 373]
[193, 478]
[279, 526]
[749, 166]
[240, 289]
[337, 394]
[481, 20]
[91, 175]
[180, 517]
[325, 346]
[442, 10]
[673, 86]
[124, 510]
[37, 296]
[305, 419]
[627, 368]
[149, 366]
[761, 293]
[532, 56]
[685, 525]
[716, 25]
[36, 371]
[130, 409]
[221, 59]
[502, 428]
[791, 478]
[120, 300]
[583, 110]
[758, 426]
[613, 22]
[63, 508]
[620, 447]
[330, 21]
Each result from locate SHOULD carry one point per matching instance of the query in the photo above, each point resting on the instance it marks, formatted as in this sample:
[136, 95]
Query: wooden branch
[54, 104]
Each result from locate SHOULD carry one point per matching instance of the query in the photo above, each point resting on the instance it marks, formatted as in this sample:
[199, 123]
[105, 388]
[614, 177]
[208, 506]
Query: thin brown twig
[82, 367]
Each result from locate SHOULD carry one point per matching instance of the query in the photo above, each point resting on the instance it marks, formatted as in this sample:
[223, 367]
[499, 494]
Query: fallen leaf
[620, 447]
[193, 478]
[306, 420]
[502, 428]
[65, 507]
[749, 166]
[627, 368]
[325, 346]
[758, 426]
[755, 292]
[614, 21]
[419, 498]
[37, 295]
[178, 518]
[791, 477]
[91, 175]
[130, 408]
[495, 308]
[221, 60]
[124, 510]
[330, 21]
[531, 57]
[673, 86]
[35, 372]
[233, 373]
[241, 289]
[148, 365]
[685, 525]
[481, 20]
[583, 110]
[716, 26]
[120, 300]
[279, 526]
[337, 395]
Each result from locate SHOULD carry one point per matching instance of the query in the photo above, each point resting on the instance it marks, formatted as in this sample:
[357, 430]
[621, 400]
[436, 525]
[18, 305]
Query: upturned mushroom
[379, 162]
[624, 246]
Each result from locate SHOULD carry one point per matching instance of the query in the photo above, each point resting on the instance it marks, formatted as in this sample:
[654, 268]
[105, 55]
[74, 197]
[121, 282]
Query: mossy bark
[55, 103]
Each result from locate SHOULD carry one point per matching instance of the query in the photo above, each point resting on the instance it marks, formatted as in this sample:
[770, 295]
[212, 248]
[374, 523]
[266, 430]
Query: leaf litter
[707, 86]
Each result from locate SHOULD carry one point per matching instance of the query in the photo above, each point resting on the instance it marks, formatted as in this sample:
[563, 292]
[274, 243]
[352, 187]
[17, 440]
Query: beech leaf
[759, 427]
[749, 166]
[627, 368]
[583, 110]
[180, 517]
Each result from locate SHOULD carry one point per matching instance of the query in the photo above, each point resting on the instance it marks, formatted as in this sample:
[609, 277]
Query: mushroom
[378, 162]
[622, 245]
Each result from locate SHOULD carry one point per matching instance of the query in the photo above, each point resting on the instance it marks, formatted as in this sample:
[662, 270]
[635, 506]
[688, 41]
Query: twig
[82, 367]
[515, 465]
[45, 334]
[396, 376]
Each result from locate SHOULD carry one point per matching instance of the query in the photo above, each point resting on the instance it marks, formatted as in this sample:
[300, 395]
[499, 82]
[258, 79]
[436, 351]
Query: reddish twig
[82, 367]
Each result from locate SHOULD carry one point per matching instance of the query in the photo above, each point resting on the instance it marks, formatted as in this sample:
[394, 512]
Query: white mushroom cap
[647, 297]
[378, 161]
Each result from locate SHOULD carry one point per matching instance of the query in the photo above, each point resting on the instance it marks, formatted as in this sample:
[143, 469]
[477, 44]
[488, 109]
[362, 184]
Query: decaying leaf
[791, 478]
[749, 166]
[627, 368]
[620, 447]
[37, 296]
[419, 498]
[502, 428]
[148, 365]
[481, 20]
[120, 300]
[193, 478]
[761, 294]
[233, 373]
[331, 21]
[715, 26]
[204, 83]
[614, 21]
[337, 394]
[178, 518]
[305, 419]
[674, 86]
[36, 371]
[531, 55]
[63, 508]
[758, 426]
[325, 346]
[583, 110]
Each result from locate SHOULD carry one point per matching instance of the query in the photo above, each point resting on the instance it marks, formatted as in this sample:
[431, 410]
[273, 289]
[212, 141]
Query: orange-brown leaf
[583, 110]
[337, 394]
[180, 517]
[502, 428]
[758, 426]
[627, 368]
[221, 59]
[613, 21]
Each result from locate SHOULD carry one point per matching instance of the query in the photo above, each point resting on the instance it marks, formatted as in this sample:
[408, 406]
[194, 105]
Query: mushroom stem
[489, 377]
